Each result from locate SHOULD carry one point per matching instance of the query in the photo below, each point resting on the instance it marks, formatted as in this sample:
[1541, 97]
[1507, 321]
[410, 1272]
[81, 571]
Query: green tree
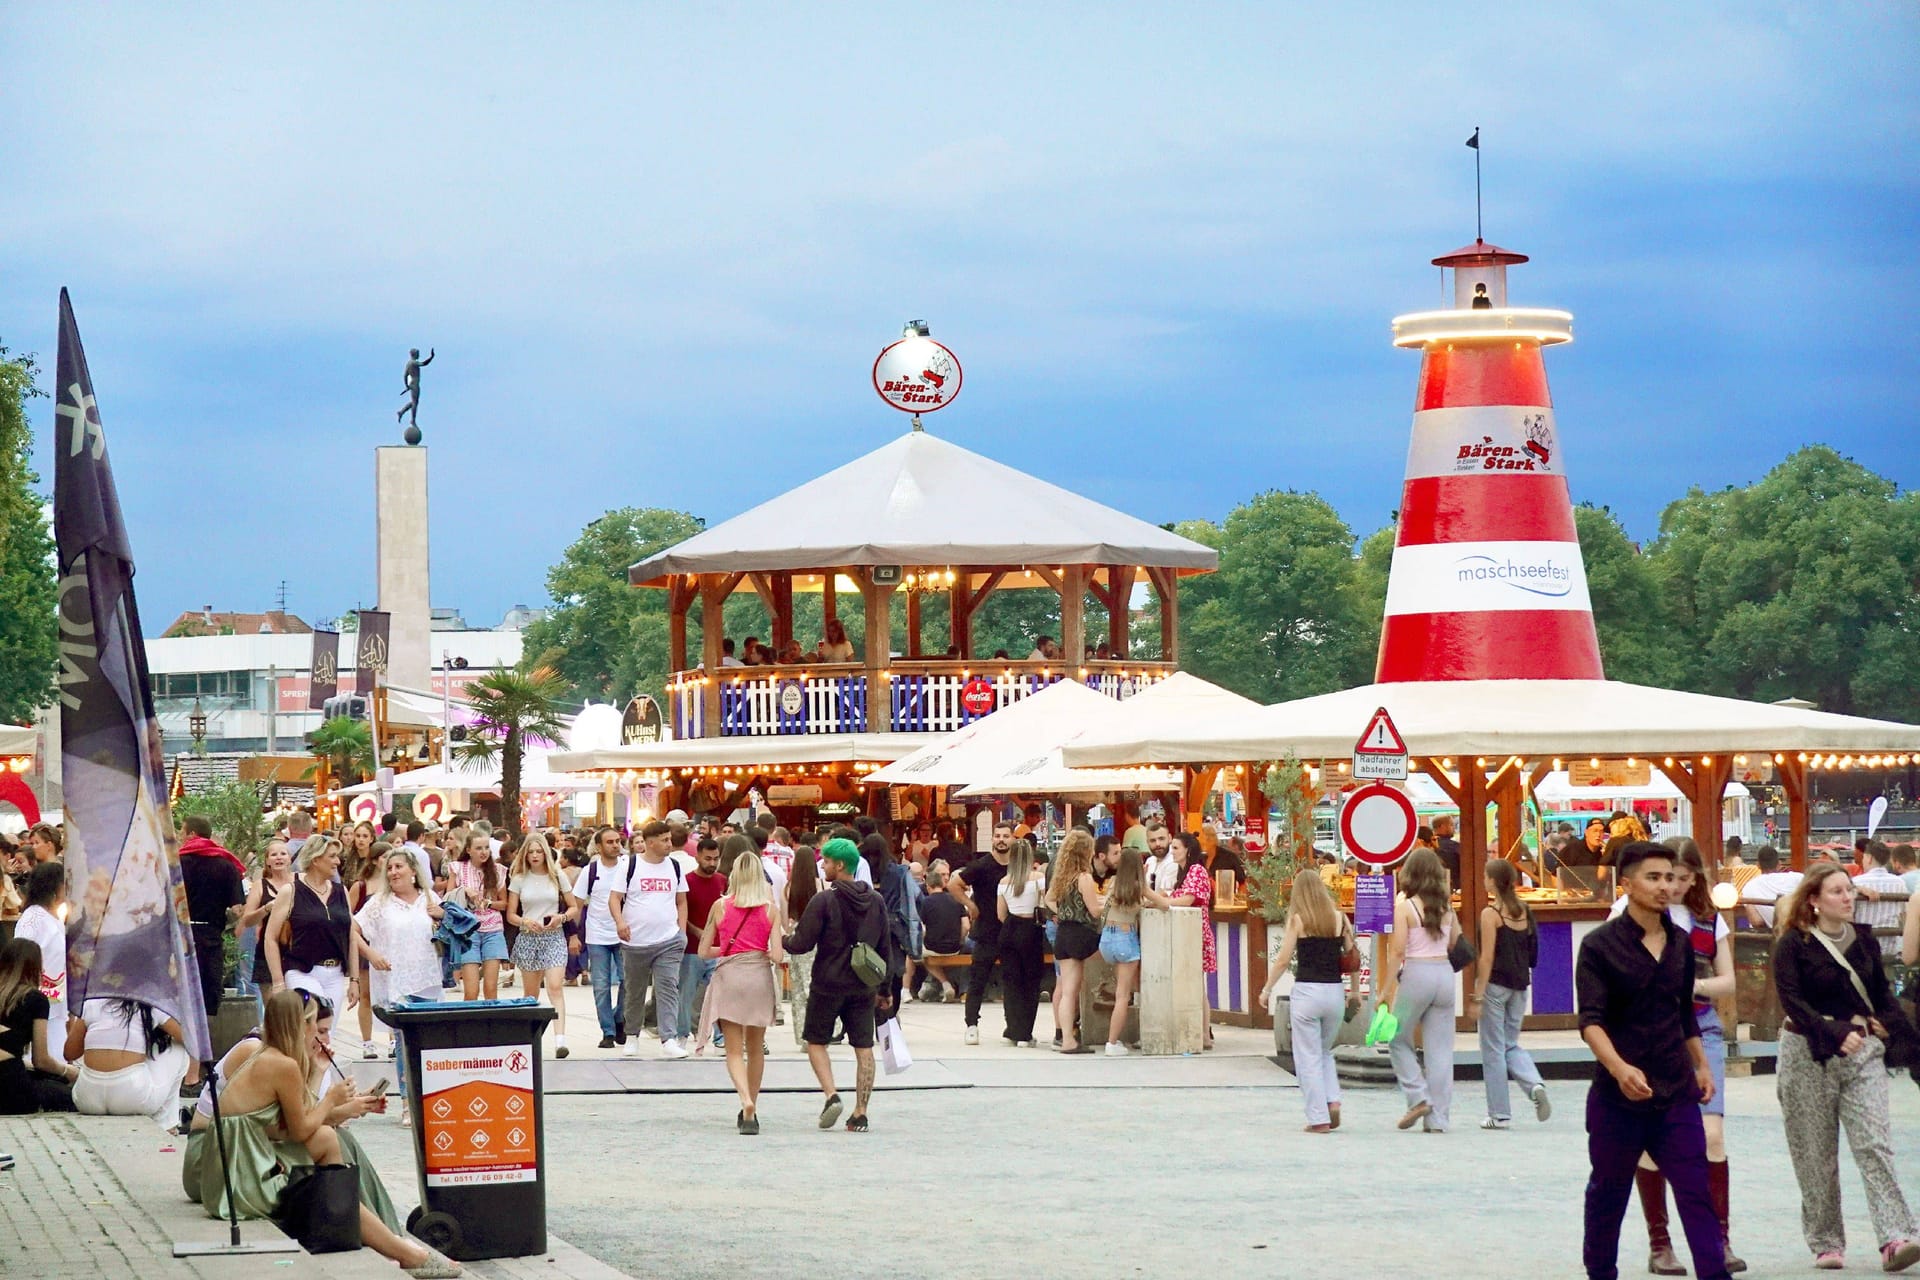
[347, 746]
[237, 813]
[29, 628]
[606, 640]
[1631, 611]
[510, 707]
[1285, 616]
[1802, 584]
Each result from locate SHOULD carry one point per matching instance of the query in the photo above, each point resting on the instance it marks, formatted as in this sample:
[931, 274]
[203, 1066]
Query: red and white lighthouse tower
[1487, 580]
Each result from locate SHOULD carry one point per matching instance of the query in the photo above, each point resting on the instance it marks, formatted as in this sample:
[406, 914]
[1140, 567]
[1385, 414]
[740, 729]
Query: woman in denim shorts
[1119, 912]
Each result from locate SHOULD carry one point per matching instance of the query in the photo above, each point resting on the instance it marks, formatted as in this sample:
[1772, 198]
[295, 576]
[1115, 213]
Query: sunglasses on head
[323, 1005]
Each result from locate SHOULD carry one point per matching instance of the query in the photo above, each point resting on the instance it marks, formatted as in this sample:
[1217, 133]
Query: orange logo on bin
[475, 1127]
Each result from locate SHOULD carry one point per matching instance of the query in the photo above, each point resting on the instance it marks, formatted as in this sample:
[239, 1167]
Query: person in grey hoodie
[844, 915]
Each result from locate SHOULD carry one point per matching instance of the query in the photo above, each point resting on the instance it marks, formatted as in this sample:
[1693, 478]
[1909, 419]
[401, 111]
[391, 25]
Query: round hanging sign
[976, 696]
[917, 375]
[1377, 824]
[793, 699]
[431, 806]
[364, 809]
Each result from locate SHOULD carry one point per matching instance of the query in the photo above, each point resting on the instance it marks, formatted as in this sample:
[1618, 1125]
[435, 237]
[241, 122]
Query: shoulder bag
[320, 1207]
[1461, 953]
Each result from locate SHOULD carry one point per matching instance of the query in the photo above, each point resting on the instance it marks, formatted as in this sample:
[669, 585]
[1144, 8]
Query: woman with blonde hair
[1077, 936]
[1418, 985]
[398, 920]
[1119, 913]
[275, 878]
[1841, 1014]
[322, 944]
[539, 904]
[365, 876]
[271, 1122]
[1022, 944]
[482, 885]
[743, 938]
[1319, 934]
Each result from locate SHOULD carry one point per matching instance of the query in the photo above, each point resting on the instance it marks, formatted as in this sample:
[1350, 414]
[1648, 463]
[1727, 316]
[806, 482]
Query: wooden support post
[680, 595]
[877, 601]
[913, 622]
[1504, 790]
[1198, 781]
[1711, 778]
[1120, 580]
[713, 629]
[1793, 780]
[783, 609]
[1073, 618]
[1166, 587]
[1473, 842]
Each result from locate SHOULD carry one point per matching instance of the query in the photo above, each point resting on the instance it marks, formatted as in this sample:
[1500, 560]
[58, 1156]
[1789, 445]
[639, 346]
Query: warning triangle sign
[1380, 737]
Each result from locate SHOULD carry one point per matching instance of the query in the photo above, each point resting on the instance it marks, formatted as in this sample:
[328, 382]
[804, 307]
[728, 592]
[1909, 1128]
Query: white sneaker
[1023, 1044]
[1494, 1122]
[670, 1048]
[973, 1035]
[1542, 1108]
[1115, 1049]
[906, 996]
[631, 1048]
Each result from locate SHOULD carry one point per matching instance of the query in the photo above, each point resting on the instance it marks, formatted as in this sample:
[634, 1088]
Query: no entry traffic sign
[1377, 824]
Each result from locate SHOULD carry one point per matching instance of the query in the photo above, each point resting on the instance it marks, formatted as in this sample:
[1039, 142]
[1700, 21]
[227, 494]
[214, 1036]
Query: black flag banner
[1474, 141]
[324, 683]
[370, 650]
[128, 936]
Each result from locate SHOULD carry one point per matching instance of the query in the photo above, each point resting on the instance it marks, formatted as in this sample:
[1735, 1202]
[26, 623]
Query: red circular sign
[1377, 824]
[977, 696]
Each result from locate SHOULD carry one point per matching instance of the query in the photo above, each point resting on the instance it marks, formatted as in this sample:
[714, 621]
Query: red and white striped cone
[1487, 580]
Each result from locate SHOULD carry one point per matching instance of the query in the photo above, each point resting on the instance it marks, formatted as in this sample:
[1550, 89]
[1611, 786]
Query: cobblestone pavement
[1122, 1182]
[64, 1213]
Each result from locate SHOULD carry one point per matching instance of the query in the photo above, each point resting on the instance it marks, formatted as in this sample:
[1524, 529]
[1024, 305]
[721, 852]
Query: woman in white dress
[397, 921]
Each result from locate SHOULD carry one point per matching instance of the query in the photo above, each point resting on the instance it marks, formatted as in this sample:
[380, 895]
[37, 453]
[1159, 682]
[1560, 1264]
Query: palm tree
[509, 707]
[346, 745]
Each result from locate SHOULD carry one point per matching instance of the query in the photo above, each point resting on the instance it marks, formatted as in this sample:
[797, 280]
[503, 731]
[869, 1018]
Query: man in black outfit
[1634, 980]
[215, 887]
[982, 877]
[1447, 847]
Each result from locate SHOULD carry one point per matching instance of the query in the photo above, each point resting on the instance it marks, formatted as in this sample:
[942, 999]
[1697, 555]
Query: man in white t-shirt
[1876, 882]
[1163, 869]
[649, 909]
[1767, 888]
[40, 925]
[777, 858]
[594, 886]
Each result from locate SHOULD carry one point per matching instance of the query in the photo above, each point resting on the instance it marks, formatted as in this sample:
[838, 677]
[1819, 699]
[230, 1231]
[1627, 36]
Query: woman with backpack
[1418, 985]
[1320, 937]
[742, 941]
[1509, 950]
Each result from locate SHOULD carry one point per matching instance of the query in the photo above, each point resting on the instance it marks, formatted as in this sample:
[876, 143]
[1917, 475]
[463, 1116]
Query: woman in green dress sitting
[272, 1121]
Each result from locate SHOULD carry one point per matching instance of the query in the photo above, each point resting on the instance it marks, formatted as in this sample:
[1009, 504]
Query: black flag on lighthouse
[129, 935]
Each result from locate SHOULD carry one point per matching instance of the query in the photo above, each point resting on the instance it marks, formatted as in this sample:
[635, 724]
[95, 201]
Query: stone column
[400, 512]
[1173, 992]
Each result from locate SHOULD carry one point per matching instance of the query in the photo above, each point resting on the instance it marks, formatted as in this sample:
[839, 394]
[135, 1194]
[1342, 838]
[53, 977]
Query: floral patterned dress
[1199, 886]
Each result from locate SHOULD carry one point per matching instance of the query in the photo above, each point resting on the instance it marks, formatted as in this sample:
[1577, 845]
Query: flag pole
[1478, 232]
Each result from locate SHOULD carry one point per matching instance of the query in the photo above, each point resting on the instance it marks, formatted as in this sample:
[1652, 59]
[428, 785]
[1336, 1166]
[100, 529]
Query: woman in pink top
[743, 936]
[1194, 888]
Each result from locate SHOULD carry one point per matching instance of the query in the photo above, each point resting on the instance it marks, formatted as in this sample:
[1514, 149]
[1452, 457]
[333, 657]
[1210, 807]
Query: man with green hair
[840, 918]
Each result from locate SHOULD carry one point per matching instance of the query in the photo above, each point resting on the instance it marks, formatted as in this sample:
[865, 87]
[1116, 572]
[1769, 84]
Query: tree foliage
[237, 812]
[346, 745]
[1804, 584]
[1286, 615]
[1631, 611]
[29, 633]
[606, 640]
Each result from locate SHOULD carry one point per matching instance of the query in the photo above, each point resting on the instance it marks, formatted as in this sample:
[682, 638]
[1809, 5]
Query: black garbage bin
[474, 1092]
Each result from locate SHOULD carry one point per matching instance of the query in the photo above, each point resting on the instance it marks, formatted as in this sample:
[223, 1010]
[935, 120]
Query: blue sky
[657, 248]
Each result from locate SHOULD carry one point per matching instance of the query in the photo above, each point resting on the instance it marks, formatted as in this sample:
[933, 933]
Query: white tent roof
[1043, 774]
[1011, 739]
[808, 748]
[16, 740]
[536, 774]
[1495, 718]
[922, 500]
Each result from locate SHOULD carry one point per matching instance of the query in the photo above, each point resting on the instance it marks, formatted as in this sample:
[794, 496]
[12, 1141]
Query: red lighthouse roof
[1479, 254]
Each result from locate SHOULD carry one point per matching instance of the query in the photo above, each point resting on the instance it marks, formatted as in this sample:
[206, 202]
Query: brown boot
[1653, 1202]
[1717, 1187]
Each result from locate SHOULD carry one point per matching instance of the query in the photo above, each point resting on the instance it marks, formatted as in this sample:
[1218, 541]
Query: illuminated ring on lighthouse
[1499, 324]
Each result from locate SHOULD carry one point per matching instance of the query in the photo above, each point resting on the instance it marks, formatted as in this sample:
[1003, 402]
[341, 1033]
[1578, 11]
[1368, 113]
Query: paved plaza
[985, 1160]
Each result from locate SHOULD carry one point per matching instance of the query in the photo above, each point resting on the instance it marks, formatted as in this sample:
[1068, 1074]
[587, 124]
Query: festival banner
[128, 936]
[324, 683]
[370, 648]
